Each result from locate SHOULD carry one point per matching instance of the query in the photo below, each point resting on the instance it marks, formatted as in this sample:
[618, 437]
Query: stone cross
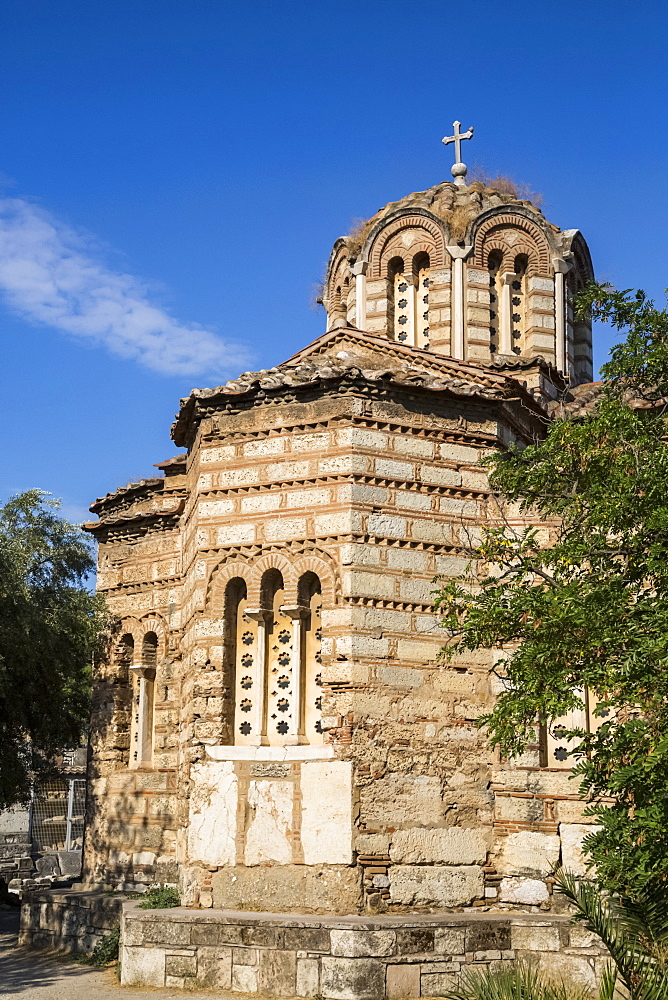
[458, 170]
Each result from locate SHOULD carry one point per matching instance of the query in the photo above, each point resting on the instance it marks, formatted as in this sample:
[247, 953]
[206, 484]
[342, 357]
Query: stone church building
[273, 729]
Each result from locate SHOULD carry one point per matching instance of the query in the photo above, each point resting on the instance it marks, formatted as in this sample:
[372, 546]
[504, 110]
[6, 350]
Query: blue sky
[189, 163]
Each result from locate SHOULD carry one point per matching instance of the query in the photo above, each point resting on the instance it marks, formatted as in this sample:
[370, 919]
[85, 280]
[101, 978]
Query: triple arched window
[273, 655]
[409, 296]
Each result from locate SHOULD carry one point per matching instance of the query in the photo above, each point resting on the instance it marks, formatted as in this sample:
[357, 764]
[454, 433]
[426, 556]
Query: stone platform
[343, 958]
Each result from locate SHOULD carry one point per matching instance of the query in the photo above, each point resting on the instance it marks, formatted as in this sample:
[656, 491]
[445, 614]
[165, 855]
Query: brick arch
[154, 623]
[492, 228]
[251, 562]
[274, 560]
[219, 579]
[383, 240]
[311, 563]
[336, 273]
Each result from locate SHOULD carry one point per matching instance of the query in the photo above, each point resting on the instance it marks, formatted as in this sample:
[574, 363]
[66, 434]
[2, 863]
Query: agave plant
[521, 981]
[635, 932]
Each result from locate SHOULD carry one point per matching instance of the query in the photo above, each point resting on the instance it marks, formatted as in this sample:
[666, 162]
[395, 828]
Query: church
[273, 728]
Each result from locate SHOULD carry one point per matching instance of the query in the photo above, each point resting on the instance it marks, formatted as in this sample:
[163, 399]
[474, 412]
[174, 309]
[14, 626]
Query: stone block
[308, 498]
[386, 525]
[326, 832]
[435, 886]
[215, 455]
[269, 827]
[277, 973]
[279, 471]
[317, 442]
[214, 967]
[439, 475]
[402, 982]
[363, 584]
[573, 969]
[419, 651]
[449, 941]
[284, 527]
[437, 984]
[413, 501]
[352, 978]
[213, 813]
[528, 853]
[407, 444]
[215, 508]
[260, 504]
[488, 935]
[388, 468]
[165, 930]
[244, 979]
[533, 936]
[181, 965]
[308, 977]
[572, 835]
[235, 534]
[529, 891]
[264, 446]
[407, 798]
[459, 453]
[362, 943]
[452, 846]
[306, 939]
[142, 966]
[414, 940]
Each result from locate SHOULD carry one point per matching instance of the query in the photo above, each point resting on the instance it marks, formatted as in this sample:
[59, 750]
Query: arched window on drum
[494, 263]
[401, 301]
[422, 282]
[519, 304]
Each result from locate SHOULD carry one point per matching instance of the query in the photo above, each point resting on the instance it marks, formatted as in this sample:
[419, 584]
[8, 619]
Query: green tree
[588, 608]
[50, 626]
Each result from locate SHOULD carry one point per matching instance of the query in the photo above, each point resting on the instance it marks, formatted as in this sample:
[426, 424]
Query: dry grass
[504, 185]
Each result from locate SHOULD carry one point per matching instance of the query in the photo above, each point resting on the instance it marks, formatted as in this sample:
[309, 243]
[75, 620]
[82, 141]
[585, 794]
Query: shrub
[160, 897]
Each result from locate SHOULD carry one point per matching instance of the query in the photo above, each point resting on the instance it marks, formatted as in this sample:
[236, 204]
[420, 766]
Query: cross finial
[458, 170]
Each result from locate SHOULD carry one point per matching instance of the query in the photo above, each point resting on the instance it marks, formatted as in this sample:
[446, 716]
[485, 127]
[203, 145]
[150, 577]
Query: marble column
[561, 269]
[506, 325]
[144, 725]
[359, 270]
[458, 306]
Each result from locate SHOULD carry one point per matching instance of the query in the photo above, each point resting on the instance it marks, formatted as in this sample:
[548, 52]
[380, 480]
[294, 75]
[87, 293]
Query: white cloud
[52, 275]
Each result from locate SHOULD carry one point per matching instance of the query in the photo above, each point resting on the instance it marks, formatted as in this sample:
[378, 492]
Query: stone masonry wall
[378, 491]
[344, 959]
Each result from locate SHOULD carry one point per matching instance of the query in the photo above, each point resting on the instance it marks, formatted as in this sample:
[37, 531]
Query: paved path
[34, 975]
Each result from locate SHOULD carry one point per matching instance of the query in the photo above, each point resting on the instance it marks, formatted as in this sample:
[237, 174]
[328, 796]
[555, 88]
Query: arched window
[494, 263]
[124, 659]
[402, 301]
[519, 304]
[422, 280]
[237, 680]
[310, 598]
[143, 687]
[556, 749]
[281, 699]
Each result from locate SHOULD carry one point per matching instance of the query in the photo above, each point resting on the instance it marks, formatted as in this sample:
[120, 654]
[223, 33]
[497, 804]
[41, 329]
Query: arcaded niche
[273, 727]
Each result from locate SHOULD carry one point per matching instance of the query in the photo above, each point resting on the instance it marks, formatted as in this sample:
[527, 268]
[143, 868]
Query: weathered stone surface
[352, 978]
[308, 977]
[269, 830]
[435, 886]
[288, 888]
[438, 984]
[277, 974]
[361, 943]
[212, 820]
[528, 853]
[326, 830]
[142, 967]
[534, 936]
[572, 835]
[451, 846]
[529, 891]
[402, 982]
